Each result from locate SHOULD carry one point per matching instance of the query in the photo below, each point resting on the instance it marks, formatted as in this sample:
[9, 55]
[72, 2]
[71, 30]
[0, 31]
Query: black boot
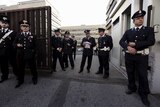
[145, 100]
[99, 72]
[63, 69]
[128, 91]
[34, 81]
[72, 67]
[53, 71]
[80, 71]
[3, 79]
[105, 76]
[19, 84]
[88, 70]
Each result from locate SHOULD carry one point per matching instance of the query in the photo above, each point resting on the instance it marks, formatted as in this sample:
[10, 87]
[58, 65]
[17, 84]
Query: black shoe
[34, 81]
[66, 66]
[53, 71]
[80, 71]
[129, 91]
[105, 76]
[18, 84]
[4, 79]
[72, 68]
[63, 69]
[88, 71]
[145, 101]
[98, 72]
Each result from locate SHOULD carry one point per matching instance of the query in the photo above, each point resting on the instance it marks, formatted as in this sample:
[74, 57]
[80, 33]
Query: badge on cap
[4, 18]
[24, 21]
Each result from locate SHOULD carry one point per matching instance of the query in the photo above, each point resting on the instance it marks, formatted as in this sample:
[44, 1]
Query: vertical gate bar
[44, 34]
[32, 21]
[39, 58]
[49, 33]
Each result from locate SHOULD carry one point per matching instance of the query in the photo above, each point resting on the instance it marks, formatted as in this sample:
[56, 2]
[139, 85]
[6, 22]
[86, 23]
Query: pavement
[71, 89]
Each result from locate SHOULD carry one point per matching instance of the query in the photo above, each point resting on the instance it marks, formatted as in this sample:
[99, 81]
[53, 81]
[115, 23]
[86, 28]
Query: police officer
[57, 45]
[25, 42]
[67, 50]
[105, 45]
[7, 51]
[136, 42]
[74, 48]
[87, 43]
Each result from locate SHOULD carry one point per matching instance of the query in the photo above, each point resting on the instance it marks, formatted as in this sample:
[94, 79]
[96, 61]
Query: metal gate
[40, 22]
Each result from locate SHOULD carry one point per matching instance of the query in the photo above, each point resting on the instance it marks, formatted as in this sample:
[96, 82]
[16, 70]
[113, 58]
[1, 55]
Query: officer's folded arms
[86, 44]
[59, 49]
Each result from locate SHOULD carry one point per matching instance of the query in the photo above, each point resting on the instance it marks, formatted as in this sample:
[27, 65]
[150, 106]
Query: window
[116, 21]
[149, 15]
[141, 4]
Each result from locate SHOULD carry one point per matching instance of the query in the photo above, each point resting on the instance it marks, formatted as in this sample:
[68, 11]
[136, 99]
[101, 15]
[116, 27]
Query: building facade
[56, 22]
[78, 31]
[118, 20]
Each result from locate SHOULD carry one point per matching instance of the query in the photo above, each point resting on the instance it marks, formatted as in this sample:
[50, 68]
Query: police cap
[101, 29]
[24, 23]
[67, 33]
[86, 31]
[4, 19]
[139, 13]
[57, 30]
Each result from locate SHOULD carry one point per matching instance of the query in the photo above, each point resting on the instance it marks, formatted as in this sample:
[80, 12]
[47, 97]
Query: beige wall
[78, 31]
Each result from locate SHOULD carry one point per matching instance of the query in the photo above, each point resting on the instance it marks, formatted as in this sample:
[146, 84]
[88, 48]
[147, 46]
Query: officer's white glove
[19, 45]
[132, 44]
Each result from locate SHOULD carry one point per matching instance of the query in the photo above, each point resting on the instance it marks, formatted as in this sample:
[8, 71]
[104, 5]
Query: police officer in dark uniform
[25, 42]
[87, 43]
[135, 43]
[57, 45]
[74, 48]
[7, 51]
[67, 50]
[105, 45]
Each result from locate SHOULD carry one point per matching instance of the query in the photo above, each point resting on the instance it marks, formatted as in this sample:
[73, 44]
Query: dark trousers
[57, 55]
[65, 59]
[74, 53]
[12, 61]
[104, 63]
[4, 67]
[138, 64]
[84, 57]
[21, 64]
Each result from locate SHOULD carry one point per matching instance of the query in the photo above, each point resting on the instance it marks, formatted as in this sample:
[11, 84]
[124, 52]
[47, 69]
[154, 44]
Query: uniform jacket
[105, 41]
[6, 46]
[67, 45]
[28, 45]
[56, 42]
[88, 51]
[143, 38]
[74, 44]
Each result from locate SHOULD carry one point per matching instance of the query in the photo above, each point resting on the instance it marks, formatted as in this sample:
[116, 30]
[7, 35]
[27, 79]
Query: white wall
[116, 33]
[155, 58]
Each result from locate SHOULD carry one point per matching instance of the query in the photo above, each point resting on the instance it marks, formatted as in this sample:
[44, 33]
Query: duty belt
[105, 49]
[143, 52]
